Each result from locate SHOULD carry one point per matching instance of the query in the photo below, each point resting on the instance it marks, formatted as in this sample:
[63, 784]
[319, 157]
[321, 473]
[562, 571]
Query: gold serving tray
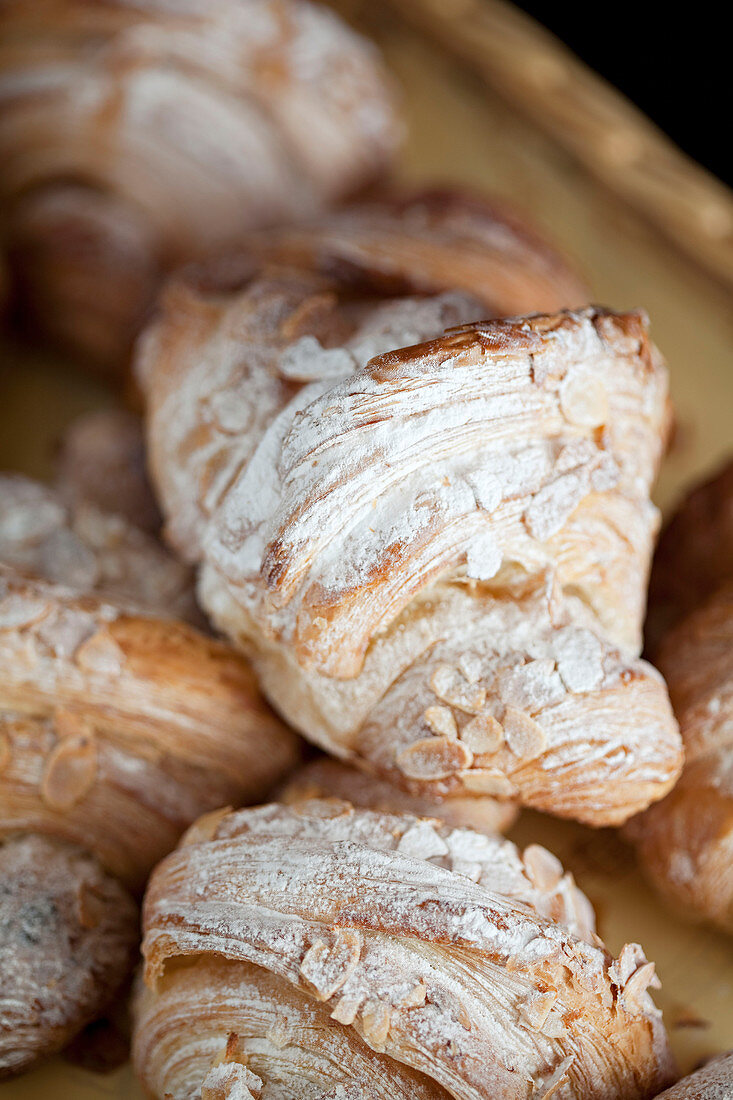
[459, 132]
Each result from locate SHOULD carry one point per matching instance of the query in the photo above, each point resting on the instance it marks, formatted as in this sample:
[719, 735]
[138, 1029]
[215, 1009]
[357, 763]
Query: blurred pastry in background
[685, 842]
[134, 137]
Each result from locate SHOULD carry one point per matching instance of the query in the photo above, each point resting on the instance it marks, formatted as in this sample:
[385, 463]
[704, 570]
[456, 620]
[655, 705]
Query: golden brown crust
[713, 1082]
[685, 842]
[120, 729]
[694, 556]
[119, 725]
[420, 242]
[196, 124]
[324, 778]
[68, 938]
[431, 946]
[434, 553]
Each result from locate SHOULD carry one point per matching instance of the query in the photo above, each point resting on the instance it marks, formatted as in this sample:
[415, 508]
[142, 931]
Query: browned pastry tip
[685, 841]
[694, 555]
[713, 1082]
[325, 778]
[101, 461]
[139, 136]
[319, 950]
[68, 938]
[433, 545]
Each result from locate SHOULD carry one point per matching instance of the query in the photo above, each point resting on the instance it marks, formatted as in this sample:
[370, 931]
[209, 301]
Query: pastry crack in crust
[415, 978]
[434, 548]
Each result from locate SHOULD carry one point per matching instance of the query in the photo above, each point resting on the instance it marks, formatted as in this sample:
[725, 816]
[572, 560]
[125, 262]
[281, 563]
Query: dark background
[675, 61]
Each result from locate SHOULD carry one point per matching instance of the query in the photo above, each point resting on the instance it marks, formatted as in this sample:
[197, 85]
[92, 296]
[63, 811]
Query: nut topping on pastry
[119, 725]
[321, 946]
[435, 553]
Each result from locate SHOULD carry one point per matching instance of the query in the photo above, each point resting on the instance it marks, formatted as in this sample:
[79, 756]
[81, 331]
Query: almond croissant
[435, 553]
[118, 726]
[322, 951]
[137, 136]
[685, 842]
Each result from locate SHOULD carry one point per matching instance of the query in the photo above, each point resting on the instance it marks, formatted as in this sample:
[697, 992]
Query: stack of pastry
[433, 546]
[407, 470]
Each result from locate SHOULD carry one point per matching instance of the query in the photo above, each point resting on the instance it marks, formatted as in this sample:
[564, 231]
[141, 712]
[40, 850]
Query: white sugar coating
[89, 550]
[427, 966]
[484, 556]
[433, 506]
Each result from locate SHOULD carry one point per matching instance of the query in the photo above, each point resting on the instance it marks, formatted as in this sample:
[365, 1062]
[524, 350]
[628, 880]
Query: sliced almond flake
[544, 869]
[530, 686]
[636, 987]
[101, 654]
[416, 996]
[451, 687]
[231, 1081]
[489, 781]
[468, 868]
[524, 736]
[559, 1075]
[584, 399]
[554, 503]
[471, 666]
[18, 611]
[326, 809]
[536, 1008]
[278, 1033]
[422, 842]
[580, 452]
[553, 1027]
[346, 1008]
[483, 556]
[376, 1018]
[579, 656]
[70, 772]
[483, 734]
[328, 966]
[441, 721]
[487, 489]
[630, 958]
[434, 758]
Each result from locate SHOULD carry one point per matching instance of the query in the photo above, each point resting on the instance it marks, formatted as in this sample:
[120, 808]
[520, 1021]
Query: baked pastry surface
[685, 842]
[119, 725]
[713, 1082]
[435, 553]
[68, 940]
[445, 956]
